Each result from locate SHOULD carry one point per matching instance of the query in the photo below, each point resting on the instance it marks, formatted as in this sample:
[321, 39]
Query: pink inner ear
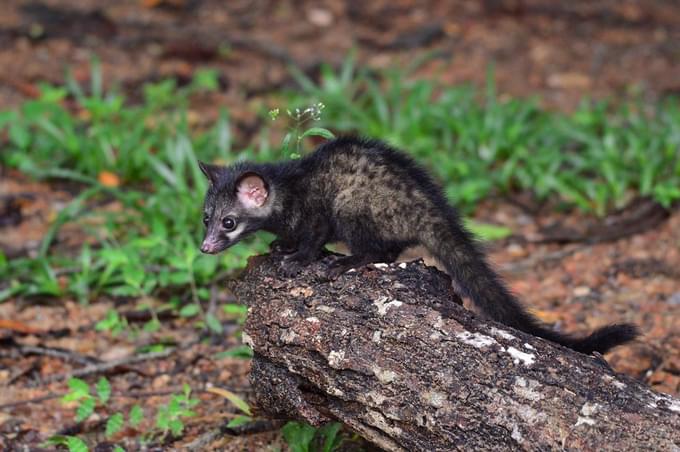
[251, 191]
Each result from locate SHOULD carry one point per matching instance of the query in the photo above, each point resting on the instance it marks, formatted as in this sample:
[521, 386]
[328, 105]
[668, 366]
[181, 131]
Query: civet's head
[237, 203]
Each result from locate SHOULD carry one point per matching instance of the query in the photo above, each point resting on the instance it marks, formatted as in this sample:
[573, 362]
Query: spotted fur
[378, 202]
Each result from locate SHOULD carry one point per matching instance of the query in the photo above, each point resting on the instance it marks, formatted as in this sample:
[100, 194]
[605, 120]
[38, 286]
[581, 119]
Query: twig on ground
[251, 428]
[257, 426]
[538, 259]
[104, 367]
[29, 401]
[126, 394]
[205, 439]
[54, 352]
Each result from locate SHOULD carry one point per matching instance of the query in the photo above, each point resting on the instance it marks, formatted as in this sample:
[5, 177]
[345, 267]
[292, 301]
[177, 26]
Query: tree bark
[389, 351]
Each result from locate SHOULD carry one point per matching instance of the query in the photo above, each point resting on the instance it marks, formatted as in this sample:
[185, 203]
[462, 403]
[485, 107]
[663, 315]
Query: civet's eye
[206, 219]
[229, 224]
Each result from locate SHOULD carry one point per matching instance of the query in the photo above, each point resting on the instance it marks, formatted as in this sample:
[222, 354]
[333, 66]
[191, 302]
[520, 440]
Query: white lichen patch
[674, 406]
[351, 270]
[336, 358]
[526, 358]
[529, 346]
[247, 340]
[383, 305]
[378, 421]
[584, 421]
[618, 384]
[588, 410]
[336, 391]
[516, 434]
[287, 313]
[312, 319]
[477, 340]
[529, 415]
[302, 292]
[384, 376]
[502, 334]
[402, 265]
[375, 397]
[434, 398]
[667, 402]
[326, 309]
[527, 389]
[288, 337]
[377, 336]
[610, 379]
[381, 265]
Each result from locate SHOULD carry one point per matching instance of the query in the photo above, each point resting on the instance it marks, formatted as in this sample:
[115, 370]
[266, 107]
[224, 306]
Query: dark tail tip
[606, 338]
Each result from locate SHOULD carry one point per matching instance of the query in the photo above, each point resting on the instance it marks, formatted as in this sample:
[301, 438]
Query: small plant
[87, 400]
[113, 323]
[169, 418]
[302, 437]
[297, 133]
[73, 443]
[594, 159]
[238, 402]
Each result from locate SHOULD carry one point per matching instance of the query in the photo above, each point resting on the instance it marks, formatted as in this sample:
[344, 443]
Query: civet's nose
[208, 247]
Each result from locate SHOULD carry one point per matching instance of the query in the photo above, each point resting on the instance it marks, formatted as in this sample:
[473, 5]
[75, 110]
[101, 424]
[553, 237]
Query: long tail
[458, 251]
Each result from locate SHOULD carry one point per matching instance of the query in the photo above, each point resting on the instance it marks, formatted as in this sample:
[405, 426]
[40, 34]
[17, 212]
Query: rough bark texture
[385, 350]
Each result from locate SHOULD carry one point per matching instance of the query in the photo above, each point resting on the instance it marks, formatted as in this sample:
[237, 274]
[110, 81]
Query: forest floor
[560, 53]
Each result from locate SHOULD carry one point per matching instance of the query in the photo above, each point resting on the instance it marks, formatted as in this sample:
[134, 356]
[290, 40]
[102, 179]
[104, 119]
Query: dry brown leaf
[108, 179]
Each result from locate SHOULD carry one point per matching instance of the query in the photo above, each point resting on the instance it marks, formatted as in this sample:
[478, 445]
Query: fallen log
[389, 351]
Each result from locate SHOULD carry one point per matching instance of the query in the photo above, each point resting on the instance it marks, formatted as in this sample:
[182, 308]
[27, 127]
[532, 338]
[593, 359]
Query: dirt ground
[558, 51]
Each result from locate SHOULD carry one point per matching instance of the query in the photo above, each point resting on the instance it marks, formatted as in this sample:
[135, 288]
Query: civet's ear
[212, 172]
[251, 191]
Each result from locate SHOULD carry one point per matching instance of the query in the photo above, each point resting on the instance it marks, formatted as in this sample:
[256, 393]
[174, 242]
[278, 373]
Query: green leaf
[112, 322]
[232, 308]
[319, 132]
[206, 79]
[76, 444]
[78, 389]
[487, 231]
[153, 348]
[78, 385]
[298, 436]
[114, 424]
[152, 326]
[213, 323]
[19, 135]
[285, 144]
[330, 432]
[103, 390]
[237, 401]
[239, 420]
[7, 117]
[117, 448]
[176, 427]
[189, 310]
[240, 351]
[85, 409]
[73, 443]
[136, 415]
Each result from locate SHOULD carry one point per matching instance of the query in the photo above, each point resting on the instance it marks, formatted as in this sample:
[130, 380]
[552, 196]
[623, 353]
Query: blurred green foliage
[595, 159]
